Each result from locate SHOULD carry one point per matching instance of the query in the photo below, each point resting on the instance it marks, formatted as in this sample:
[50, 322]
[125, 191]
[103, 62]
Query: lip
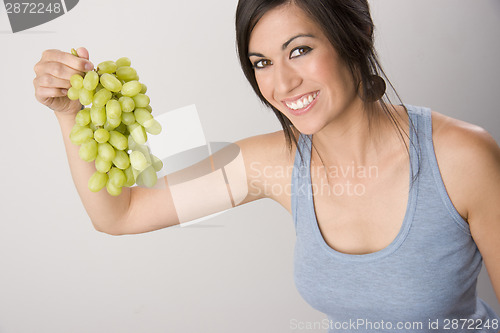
[304, 110]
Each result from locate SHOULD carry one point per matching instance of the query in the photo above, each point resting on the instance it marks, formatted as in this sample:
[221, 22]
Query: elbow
[107, 228]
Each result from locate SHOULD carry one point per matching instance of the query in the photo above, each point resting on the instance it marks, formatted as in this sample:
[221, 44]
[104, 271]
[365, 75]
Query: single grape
[88, 150]
[73, 93]
[152, 126]
[141, 100]
[117, 177]
[106, 151]
[83, 117]
[138, 133]
[147, 177]
[121, 160]
[102, 97]
[128, 118]
[126, 73]
[157, 163]
[101, 135]
[124, 61]
[91, 80]
[131, 88]
[144, 88]
[106, 67]
[130, 177]
[80, 134]
[97, 181]
[76, 81]
[142, 115]
[102, 165]
[110, 82]
[98, 115]
[118, 140]
[138, 160]
[86, 96]
[112, 189]
[127, 104]
[113, 109]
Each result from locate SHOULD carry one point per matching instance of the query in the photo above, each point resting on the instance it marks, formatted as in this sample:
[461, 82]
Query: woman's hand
[53, 73]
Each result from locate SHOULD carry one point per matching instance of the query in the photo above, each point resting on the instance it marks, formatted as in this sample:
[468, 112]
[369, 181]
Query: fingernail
[89, 66]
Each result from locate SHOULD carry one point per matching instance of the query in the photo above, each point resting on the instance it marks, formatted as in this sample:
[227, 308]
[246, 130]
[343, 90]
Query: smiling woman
[395, 207]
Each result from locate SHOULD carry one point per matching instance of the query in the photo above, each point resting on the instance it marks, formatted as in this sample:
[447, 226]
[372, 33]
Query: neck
[354, 138]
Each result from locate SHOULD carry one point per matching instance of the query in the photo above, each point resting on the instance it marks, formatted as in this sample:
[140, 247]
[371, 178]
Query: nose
[286, 79]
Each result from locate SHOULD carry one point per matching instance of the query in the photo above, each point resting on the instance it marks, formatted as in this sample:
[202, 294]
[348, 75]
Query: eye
[261, 63]
[298, 51]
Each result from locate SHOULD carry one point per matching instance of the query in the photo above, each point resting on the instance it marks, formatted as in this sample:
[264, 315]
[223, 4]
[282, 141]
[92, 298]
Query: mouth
[302, 103]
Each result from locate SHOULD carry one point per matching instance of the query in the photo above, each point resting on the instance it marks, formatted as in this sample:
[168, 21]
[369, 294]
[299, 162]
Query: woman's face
[298, 70]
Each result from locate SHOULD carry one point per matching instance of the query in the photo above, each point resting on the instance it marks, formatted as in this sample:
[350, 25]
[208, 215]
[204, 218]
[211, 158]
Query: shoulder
[268, 162]
[468, 158]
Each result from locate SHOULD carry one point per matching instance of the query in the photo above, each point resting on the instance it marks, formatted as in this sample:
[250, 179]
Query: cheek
[265, 86]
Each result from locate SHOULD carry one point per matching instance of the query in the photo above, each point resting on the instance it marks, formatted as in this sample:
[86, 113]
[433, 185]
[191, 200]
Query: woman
[393, 205]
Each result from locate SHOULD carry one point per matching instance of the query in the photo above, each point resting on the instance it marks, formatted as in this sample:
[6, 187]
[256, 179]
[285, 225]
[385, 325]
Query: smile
[302, 102]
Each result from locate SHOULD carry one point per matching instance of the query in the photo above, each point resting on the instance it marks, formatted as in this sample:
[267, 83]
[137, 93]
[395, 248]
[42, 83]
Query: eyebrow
[284, 46]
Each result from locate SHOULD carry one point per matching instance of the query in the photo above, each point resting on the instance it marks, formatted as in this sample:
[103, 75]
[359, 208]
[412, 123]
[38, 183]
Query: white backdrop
[233, 272]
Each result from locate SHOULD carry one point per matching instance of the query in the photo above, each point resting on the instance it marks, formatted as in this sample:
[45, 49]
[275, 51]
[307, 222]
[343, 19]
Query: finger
[58, 70]
[50, 81]
[83, 53]
[43, 93]
[68, 59]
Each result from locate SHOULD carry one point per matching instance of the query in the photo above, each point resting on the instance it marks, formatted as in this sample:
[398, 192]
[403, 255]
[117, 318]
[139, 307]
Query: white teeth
[302, 103]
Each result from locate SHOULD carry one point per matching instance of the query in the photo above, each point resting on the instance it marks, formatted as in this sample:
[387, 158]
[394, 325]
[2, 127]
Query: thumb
[83, 53]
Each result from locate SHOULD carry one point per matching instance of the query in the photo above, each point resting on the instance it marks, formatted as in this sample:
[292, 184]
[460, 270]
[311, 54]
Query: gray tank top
[424, 281]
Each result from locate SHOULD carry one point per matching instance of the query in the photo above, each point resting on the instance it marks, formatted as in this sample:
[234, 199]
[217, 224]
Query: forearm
[104, 210]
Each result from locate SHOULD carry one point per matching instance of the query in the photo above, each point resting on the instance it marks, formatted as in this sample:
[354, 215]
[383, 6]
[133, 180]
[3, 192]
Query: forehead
[278, 25]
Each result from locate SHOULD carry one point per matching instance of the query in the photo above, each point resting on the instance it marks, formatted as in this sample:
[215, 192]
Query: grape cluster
[112, 131]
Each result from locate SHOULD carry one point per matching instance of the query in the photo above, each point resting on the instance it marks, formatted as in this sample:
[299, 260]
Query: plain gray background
[233, 272]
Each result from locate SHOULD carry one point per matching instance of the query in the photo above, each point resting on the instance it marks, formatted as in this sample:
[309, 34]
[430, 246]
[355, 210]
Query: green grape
[106, 67]
[98, 115]
[147, 177]
[83, 117]
[118, 140]
[102, 97]
[152, 126]
[102, 165]
[73, 52]
[157, 163]
[80, 135]
[91, 80]
[99, 87]
[101, 135]
[106, 151]
[130, 177]
[121, 160]
[138, 133]
[141, 100]
[76, 81]
[110, 82]
[73, 93]
[138, 160]
[86, 96]
[97, 181]
[112, 189]
[131, 88]
[117, 177]
[128, 118]
[149, 108]
[88, 150]
[127, 104]
[126, 73]
[113, 109]
[93, 127]
[112, 123]
[144, 88]
[142, 115]
[124, 61]
[131, 143]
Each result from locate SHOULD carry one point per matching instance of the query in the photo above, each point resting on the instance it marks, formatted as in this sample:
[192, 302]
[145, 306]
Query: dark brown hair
[348, 26]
